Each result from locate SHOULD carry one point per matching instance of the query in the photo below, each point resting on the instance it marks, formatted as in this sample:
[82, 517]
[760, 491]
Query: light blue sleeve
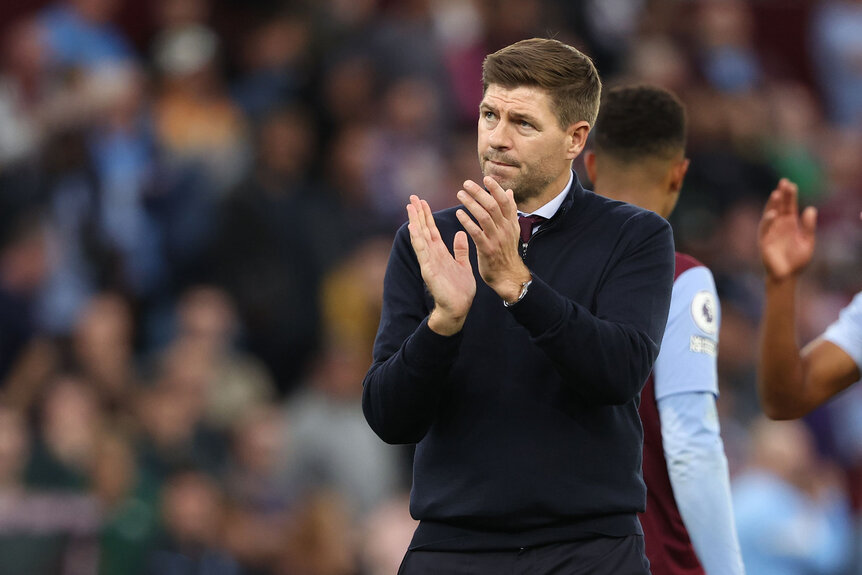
[700, 479]
[846, 332]
[687, 360]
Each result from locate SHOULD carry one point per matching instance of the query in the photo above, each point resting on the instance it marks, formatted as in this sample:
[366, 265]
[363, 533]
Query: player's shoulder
[855, 305]
[689, 271]
[691, 276]
[685, 262]
[851, 316]
[694, 294]
[592, 201]
[627, 219]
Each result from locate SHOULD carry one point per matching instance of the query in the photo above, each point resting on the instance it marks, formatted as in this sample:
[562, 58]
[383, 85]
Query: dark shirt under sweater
[526, 422]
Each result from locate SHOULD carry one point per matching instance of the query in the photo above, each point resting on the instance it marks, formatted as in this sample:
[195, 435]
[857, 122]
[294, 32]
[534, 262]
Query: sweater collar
[573, 197]
[550, 209]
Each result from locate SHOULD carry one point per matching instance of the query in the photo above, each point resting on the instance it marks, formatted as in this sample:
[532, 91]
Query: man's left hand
[497, 236]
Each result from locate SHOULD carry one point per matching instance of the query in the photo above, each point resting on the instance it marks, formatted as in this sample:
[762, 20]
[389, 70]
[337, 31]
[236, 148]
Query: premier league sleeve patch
[704, 312]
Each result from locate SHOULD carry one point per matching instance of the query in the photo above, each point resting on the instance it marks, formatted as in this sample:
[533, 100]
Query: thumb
[460, 248]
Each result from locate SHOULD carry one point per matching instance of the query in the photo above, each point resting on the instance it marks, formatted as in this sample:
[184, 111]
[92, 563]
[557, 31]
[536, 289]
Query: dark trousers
[601, 556]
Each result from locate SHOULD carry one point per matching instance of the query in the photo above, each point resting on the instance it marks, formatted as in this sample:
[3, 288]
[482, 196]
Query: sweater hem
[440, 536]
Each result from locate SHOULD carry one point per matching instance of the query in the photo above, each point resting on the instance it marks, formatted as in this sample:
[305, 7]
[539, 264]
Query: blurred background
[197, 200]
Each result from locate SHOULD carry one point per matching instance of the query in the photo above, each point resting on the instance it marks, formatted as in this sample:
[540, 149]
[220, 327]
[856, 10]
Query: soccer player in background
[639, 157]
[793, 382]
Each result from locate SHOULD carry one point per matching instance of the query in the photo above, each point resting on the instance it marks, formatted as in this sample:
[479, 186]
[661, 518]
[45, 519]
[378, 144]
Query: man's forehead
[528, 98]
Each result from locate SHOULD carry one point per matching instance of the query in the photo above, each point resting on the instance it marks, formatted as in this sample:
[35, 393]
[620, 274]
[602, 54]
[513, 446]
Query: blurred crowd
[197, 200]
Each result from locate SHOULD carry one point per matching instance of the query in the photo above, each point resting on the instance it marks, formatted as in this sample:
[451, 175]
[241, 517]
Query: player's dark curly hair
[640, 121]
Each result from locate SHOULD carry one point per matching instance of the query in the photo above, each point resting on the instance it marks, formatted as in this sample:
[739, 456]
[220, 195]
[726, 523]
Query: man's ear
[677, 175]
[577, 138]
[590, 165]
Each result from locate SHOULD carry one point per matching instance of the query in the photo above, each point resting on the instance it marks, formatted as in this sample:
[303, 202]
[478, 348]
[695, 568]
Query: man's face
[521, 144]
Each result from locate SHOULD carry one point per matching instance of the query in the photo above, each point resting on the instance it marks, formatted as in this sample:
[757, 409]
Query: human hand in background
[785, 238]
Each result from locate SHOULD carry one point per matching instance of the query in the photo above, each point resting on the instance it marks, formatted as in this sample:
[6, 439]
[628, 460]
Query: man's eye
[488, 115]
[525, 124]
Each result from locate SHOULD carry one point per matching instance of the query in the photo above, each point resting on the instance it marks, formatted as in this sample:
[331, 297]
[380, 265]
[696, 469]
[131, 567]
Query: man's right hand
[449, 279]
[786, 240]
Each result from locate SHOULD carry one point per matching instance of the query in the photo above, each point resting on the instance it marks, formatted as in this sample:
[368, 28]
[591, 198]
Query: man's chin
[505, 183]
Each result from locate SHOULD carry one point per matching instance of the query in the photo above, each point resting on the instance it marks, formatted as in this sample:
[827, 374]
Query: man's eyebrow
[514, 115]
[523, 116]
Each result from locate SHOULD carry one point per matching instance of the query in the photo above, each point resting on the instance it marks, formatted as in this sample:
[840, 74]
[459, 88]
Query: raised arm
[792, 382]
[414, 349]
[609, 353]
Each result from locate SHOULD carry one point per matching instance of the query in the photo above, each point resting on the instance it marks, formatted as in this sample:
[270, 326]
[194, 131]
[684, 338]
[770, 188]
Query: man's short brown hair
[567, 74]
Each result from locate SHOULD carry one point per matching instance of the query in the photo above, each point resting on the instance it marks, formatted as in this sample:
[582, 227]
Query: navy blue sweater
[526, 422]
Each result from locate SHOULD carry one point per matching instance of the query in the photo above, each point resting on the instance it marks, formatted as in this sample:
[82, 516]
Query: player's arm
[686, 384]
[792, 382]
[699, 475]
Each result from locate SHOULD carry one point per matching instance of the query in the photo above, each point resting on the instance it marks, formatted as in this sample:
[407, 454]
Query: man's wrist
[510, 289]
[444, 324]
[524, 287]
[773, 281]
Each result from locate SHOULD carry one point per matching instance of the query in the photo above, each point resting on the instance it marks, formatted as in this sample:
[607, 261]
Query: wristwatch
[524, 287]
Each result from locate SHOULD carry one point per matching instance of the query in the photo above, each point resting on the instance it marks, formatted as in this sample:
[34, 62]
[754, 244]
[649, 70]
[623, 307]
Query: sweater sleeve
[607, 353]
[403, 387]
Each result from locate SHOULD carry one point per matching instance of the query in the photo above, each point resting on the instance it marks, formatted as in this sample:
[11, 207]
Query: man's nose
[500, 137]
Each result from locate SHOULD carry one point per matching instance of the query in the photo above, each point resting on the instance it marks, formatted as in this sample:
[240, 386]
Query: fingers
[773, 201]
[423, 230]
[789, 196]
[416, 229]
[809, 221]
[478, 203]
[472, 228]
[419, 214]
[429, 221]
[784, 199]
[424, 234]
[493, 202]
[495, 214]
[420, 211]
[461, 248]
[504, 198]
[767, 220]
[416, 218]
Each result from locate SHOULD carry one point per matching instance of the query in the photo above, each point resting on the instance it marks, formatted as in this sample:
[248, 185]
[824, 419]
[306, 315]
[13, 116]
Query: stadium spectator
[791, 513]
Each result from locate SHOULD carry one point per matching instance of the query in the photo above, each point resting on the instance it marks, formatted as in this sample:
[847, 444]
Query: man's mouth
[502, 164]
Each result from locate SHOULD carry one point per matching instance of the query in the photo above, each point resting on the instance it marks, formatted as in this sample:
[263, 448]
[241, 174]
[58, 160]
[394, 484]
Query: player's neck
[635, 192]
